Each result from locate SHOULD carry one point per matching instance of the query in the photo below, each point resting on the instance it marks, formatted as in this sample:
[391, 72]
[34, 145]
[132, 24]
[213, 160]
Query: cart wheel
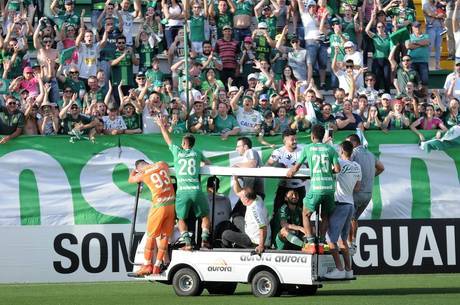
[186, 282]
[265, 284]
[227, 288]
[301, 289]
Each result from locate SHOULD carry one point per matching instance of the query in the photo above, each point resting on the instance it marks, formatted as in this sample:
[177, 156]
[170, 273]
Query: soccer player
[348, 181]
[288, 223]
[161, 218]
[187, 162]
[321, 159]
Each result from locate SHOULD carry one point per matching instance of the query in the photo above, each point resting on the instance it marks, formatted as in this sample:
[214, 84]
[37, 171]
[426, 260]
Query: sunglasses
[295, 41]
[406, 60]
[369, 80]
[349, 67]
[12, 103]
[121, 42]
[68, 91]
[74, 72]
[46, 41]
[74, 107]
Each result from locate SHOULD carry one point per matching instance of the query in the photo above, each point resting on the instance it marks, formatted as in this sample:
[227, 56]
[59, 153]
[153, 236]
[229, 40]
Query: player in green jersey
[187, 162]
[322, 160]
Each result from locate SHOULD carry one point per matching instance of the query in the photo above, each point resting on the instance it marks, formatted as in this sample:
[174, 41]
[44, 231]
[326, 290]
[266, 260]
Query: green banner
[50, 181]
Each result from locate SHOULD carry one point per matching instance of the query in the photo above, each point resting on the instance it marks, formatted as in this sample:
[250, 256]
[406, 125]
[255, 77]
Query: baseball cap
[262, 25]
[311, 3]
[416, 24]
[252, 76]
[335, 21]
[233, 89]
[293, 37]
[248, 39]
[267, 7]
[386, 96]
[68, 2]
[349, 44]
[140, 74]
[28, 69]
[112, 106]
[263, 97]
[227, 27]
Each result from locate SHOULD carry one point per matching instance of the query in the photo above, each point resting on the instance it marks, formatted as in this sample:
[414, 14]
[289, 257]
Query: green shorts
[196, 200]
[327, 202]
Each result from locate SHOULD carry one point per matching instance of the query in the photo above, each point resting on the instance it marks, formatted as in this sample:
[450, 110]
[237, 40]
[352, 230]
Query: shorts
[339, 222]
[161, 221]
[197, 200]
[361, 200]
[312, 53]
[313, 201]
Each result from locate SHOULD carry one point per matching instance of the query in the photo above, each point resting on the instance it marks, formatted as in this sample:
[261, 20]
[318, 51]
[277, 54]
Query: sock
[205, 235]
[293, 239]
[148, 250]
[186, 237]
[161, 251]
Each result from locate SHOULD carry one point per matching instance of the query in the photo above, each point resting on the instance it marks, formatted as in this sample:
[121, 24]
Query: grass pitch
[373, 290]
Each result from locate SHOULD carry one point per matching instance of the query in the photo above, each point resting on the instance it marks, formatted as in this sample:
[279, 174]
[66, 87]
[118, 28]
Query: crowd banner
[52, 189]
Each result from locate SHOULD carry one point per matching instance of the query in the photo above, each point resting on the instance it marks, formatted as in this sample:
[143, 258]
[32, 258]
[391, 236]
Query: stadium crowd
[252, 67]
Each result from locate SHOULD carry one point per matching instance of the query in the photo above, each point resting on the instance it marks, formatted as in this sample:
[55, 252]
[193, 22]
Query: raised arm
[235, 99]
[164, 132]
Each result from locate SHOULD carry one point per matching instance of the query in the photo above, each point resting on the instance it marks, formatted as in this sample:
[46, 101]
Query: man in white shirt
[348, 181]
[287, 156]
[257, 231]
[248, 118]
[357, 57]
[452, 84]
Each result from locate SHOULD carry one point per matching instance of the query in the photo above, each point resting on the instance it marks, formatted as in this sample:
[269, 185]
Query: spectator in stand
[262, 42]
[248, 119]
[122, 65]
[381, 46]
[357, 57]
[197, 24]
[224, 15]
[145, 50]
[396, 119]
[419, 51]
[374, 122]
[337, 41]
[351, 23]
[297, 57]
[265, 14]
[347, 120]
[199, 120]
[385, 105]
[11, 120]
[173, 13]
[227, 49]
[368, 88]
[113, 122]
[428, 122]
[107, 51]
[225, 124]
[28, 81]
[88, 52]
[451, 114]
[434, 21]
[127, 18]
[75, 122]
[66, 16]
[363, 107]
[242, 19]
[311, 25]
[452, 84]
[404, 73]
[348, 78]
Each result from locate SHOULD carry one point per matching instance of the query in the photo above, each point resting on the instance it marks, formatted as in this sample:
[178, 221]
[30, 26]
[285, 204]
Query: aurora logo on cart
[276, 258]
[220, 265]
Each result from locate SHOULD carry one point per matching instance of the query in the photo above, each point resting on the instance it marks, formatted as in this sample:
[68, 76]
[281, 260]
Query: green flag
[400, 36]
[66, 54]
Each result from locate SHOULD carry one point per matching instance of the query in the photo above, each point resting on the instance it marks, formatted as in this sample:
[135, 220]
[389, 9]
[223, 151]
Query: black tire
[186, 282]
[265, 284]
[301, 289]
[226, 288]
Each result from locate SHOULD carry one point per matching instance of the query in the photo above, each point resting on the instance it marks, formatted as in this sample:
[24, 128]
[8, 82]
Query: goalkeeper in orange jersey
[161, 218]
